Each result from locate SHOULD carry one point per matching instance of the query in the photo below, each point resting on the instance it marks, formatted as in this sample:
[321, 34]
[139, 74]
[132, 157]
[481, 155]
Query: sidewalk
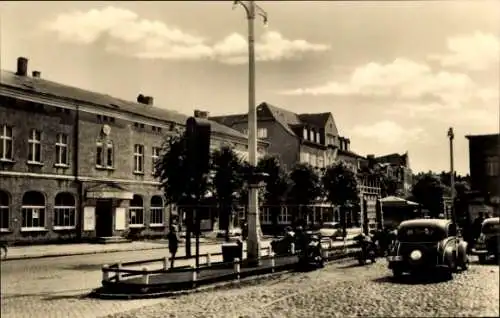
[57, 250]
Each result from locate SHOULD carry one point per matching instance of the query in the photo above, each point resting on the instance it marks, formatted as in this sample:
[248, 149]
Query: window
[6, 145]
[104, 154]
[64, 211]
[35, 146]
[304, 157]
[492, 166]
[311, 135]
[262, 133]
[33, 211]
[156, 211]
[317, 137]
[305, 133]
[312, 160]
[155, 155]
[321, 162]
[283, 217]
[265, 216]
[4, 211]
[245, 131]
[62, 150]
[136, 212]
[138, 159]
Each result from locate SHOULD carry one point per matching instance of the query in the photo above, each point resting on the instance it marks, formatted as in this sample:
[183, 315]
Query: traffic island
[122, 283]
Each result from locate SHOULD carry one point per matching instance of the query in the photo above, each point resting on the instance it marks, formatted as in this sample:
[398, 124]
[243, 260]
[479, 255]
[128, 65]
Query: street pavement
[343, 290]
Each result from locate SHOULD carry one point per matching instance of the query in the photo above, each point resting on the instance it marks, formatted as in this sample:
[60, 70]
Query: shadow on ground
[85, 267]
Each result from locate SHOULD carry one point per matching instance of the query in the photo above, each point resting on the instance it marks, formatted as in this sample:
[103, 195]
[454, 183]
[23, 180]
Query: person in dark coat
[476, 226]
[173, 243]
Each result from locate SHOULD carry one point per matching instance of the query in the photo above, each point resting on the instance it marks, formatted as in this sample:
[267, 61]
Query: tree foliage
[428, 191]
[341, 188]
[227, 183]
[277, 186]
[306, 188]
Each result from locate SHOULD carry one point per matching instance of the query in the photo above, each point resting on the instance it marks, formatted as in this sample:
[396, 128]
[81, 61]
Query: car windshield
[491, 228]
[421, 234]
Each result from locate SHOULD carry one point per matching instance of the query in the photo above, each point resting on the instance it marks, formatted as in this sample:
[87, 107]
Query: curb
[97, 294]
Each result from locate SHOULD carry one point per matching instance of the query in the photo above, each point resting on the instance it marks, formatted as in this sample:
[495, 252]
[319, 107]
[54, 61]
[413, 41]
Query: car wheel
[482, 259]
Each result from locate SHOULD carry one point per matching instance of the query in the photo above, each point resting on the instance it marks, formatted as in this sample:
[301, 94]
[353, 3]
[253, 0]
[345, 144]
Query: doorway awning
[108, 191]
[397, 202]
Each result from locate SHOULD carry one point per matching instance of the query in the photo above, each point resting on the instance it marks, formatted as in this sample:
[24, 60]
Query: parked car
[427, 244]
[332, 230]
[488, 242]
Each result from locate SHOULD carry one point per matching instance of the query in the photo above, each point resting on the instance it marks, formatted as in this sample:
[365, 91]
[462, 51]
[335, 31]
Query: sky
[395, 75]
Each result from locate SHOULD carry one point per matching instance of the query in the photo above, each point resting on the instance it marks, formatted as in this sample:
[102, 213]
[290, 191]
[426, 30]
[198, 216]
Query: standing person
[476, 227]
[173, 243]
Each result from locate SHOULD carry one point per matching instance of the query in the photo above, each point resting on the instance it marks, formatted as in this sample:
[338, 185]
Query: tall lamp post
[253, 240]
[451, 135]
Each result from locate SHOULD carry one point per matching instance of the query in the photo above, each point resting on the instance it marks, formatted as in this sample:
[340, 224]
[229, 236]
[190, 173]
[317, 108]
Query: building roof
[482, 136]
[318, 119]
[393, 158]
[40, 86]
[350, 154]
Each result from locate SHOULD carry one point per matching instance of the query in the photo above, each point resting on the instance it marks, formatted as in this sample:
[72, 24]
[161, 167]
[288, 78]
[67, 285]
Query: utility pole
[253, 240]
[451, 135]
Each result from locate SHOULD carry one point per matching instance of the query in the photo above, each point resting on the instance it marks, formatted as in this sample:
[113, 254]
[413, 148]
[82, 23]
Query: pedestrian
[476, 226]
[173, 243]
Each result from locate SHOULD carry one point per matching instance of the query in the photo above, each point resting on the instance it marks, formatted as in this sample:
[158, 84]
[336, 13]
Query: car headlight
[416, 255]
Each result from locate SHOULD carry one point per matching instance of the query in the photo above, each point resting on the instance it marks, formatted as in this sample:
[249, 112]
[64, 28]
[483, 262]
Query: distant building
[398, 167]
[484, 165]
[78, 165]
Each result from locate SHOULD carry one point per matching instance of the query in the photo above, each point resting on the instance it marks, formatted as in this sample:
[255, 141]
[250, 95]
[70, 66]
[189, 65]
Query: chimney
[22, 66]
[140, 99]
[200, 114]
[348, 144]
[36, 74]
[148, 100]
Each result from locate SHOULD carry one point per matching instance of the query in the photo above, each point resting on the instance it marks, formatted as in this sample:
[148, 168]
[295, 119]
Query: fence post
[209, 261]
[145, 276]
[105, 273]
[165, 263]
[273, 261]
[194, 277]
[292, 248]
[118, 272]
[237, 268]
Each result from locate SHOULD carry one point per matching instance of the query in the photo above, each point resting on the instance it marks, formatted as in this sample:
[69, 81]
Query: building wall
[482, 148]
[282, 144]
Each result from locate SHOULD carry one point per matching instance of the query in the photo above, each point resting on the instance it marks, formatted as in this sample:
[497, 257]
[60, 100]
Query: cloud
[150, 39]
[477, 51]
[403, 79]
[389, 133]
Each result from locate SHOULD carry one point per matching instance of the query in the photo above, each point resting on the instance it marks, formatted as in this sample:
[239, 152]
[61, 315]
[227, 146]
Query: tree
[428, 191]
[172, 170]
[277, 186]
[341, 189]
[306, 188]
[227, 183]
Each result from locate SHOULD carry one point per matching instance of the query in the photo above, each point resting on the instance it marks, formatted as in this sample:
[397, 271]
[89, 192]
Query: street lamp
[451, 135]
[253, 241]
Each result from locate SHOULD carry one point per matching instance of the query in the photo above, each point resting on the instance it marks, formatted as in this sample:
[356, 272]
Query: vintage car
[426, 244]
[488, 242]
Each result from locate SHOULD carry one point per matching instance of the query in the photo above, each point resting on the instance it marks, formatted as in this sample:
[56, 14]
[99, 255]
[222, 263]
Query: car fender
[448, 248]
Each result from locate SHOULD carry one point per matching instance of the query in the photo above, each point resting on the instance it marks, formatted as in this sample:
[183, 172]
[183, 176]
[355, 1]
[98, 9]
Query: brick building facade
[78, 165]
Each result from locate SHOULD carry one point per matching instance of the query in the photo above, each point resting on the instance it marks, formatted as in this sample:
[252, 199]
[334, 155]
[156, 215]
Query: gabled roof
[319, 119]
[40, 86]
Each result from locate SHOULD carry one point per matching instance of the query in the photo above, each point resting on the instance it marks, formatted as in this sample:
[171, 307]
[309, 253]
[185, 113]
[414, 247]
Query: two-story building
[77, 165]
[484, 163]
[299, 138]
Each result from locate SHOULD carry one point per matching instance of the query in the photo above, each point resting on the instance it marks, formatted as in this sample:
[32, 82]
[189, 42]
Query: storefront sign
[89, 218]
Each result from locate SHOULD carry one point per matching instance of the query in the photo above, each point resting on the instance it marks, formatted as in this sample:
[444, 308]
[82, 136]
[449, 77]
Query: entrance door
[104, 218]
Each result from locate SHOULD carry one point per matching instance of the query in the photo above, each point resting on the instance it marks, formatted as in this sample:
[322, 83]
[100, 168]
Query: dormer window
[317, 137]
[311, 135]
[305, 133]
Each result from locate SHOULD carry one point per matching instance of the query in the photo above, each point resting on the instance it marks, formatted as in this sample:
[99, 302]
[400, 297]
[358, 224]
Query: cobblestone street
[53, 287]
[343, 290]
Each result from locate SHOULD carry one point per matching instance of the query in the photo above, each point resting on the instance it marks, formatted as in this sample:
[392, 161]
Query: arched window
[64, 211]
[33, 209]
[136, 212]
[156, 211]
[4, 210]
